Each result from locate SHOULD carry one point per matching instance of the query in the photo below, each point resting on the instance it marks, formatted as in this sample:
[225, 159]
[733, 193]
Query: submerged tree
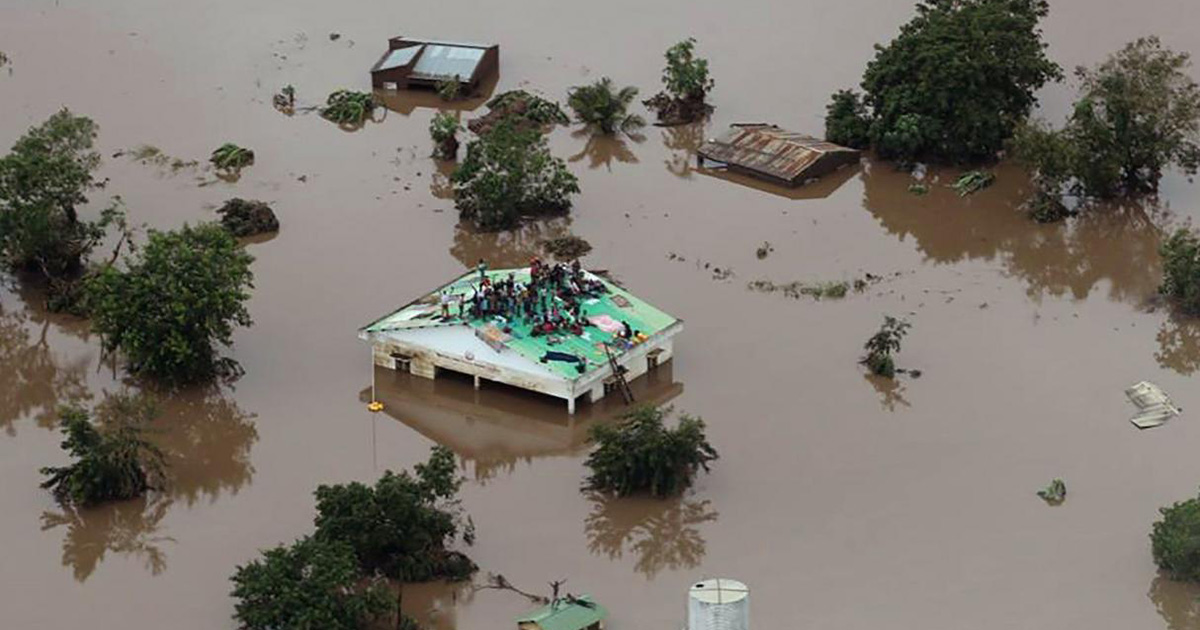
[882, 344]
[687, 84]
[348, 108]
[113, 458]
[247, 217]
[1175, 540]
[231, 157]
[847, 120]
[1138, 114]
[402, 526]
[602, 106]
[43, 179]
[522, 109]
[509, 173]
[641, 454]
[443, 129]
[953, 84]
[179, 298]
[1181, 269]
[312, 584]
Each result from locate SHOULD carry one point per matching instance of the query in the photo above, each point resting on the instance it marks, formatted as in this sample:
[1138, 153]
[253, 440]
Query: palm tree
[601, 106]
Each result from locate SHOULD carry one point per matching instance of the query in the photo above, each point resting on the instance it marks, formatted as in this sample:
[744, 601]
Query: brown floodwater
[842, 501]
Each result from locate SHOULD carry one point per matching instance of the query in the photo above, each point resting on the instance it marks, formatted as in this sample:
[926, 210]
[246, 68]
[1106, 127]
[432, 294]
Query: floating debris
[1054, 493]
[244, 217]
[819, 290]
[1154, 406]
[918, 189]
[972, 182]
[567, 247]
[764, 250]
[231, 157]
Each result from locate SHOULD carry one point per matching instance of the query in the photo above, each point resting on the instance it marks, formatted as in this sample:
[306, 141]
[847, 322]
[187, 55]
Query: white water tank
[719, 604]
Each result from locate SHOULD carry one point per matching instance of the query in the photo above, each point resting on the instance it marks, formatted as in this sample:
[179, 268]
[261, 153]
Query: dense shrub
[882, 344]
[244, 217]
[1181, 269]
[443, 129]
[641, 454]
[1175, 540]
[687, 84]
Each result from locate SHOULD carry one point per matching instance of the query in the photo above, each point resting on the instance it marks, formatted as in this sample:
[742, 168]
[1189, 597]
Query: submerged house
[568, 613]
[775, 154]
[426, 63]
[438, 332]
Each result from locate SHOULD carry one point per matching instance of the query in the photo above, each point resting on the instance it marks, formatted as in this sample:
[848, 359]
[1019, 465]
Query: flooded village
[361, 353]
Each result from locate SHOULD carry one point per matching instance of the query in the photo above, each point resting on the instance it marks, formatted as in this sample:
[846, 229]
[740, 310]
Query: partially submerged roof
[566, 614]
[419, 320]
[433, 60]
[776, 153]
[1154, 406]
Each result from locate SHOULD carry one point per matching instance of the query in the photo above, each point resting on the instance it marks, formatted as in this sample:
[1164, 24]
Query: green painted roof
[617, 304]
[566, 615]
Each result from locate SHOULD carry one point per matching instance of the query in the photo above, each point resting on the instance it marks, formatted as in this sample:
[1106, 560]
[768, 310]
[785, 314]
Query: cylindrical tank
[719, 604]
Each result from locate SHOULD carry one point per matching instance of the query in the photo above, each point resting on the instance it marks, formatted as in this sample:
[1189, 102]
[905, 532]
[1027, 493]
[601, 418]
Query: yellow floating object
[375, 405]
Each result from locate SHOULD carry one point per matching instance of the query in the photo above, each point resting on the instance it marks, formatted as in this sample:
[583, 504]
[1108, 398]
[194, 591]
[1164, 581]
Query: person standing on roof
[482, 268]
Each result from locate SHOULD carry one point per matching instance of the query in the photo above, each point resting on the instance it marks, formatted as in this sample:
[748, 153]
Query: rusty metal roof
[771, 150]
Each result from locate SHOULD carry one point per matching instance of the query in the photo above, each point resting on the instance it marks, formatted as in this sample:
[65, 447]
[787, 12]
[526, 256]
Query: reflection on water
[440, 185]
[33, 382]
[126, 528]
[507, 248]
[1179, 345]
[683, 141]
[1177, 602]
[495, 427]
[659, 533]
[434, 605]
[891, 391]
[1116, 244]
[602, 150]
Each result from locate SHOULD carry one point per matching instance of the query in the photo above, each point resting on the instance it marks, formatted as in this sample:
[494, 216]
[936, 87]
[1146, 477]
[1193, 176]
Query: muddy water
[843, 502]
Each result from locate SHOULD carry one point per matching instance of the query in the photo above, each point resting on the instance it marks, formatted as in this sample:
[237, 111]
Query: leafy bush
[1175, 540]
[941, 90]
[231, 157]
[402, 526]
[348, 108]
[687, 84]
[45, 176]
[509, 173]
[1181, 269]
[312, 584]
[243, 217]
[180, 297]
[113, 460]
[1138, 114]
[972, 182]
[601, 106]
[882, 344]
[643, 455]
[847, 121]
[523, 110]
[444, 130]
[449, 89]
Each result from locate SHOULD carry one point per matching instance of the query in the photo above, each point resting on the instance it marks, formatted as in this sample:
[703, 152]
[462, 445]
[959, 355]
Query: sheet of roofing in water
[446, 62]
[777, 152]
[399, 57]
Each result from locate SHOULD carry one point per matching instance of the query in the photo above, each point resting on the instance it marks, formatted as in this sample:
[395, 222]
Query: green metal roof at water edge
[567, 614]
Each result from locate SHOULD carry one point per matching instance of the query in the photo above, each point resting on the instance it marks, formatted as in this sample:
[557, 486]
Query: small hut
[775, 154]
[412, 63]
[567, 613]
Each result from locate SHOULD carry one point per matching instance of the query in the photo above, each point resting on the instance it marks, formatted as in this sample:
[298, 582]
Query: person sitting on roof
[627, 330]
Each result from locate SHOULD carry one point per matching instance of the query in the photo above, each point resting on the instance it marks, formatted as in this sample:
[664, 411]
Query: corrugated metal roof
[441, 62]
[566, 615]
[1154, 406]
[770, 150]
[398, 58]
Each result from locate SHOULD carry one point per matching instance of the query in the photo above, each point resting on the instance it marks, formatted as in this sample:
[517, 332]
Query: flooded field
[842, 501]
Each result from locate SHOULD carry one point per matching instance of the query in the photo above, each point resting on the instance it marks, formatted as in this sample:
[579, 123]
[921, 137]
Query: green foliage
[529, 107]
[972, 182]
[601, 106]
[444, 130]
[687, 84]
[643, 455]
[180, 297]
[847, 121]
[1175, 540]
[311, 585]
[882, 344]
[449, 89]
[113, 460]
[918, 189]
[1055, 493]
[231, 157]
[1181, 269]
[955, 82]
[348, 108]
[509, 173]
[402, 526]
[1138, 114]
[43, 178]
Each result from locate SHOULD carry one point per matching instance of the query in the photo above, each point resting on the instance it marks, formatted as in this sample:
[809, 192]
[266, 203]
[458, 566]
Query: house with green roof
[439, 332]
[569, 613]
